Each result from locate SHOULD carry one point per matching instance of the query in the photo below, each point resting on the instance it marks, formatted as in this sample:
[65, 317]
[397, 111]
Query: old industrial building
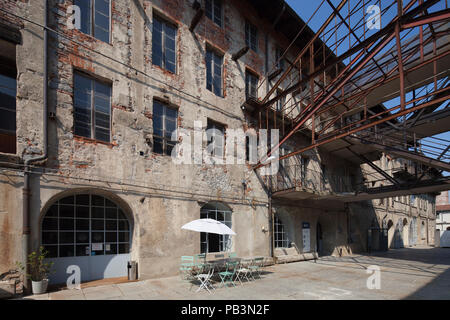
[442, 220]
[87, 115]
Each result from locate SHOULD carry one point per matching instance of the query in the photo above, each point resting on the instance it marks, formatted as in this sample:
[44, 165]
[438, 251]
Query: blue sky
[305, 10]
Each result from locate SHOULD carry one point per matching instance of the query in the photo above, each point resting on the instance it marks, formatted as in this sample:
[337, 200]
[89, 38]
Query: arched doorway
[423, 229]
[210, 242]
[398, 235]
[405, 232]
[319, 239]
[89, 231]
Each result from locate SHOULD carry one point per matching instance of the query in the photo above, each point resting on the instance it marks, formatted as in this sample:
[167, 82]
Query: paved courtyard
[410, 273]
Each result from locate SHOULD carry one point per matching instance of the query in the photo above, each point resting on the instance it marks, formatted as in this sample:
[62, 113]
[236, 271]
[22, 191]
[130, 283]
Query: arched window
[390, 224]
[281, 239]
[210, 242]
[85, 225]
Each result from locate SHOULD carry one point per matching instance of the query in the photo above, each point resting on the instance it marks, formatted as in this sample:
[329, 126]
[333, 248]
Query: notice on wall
[97, 246]
[306, 237]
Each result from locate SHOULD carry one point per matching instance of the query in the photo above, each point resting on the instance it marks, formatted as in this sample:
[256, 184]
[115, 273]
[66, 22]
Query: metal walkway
[359, 92]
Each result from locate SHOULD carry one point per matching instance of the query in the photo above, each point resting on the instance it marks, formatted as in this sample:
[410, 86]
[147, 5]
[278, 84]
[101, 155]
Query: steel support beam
[419, 158]
[343, 81]
[429, 18]
[362, 46]
[362, 127]
[302, 52]
[375, 167]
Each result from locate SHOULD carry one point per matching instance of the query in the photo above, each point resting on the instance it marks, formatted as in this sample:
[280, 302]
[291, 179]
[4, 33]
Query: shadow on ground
[432, 261]
[437, 289]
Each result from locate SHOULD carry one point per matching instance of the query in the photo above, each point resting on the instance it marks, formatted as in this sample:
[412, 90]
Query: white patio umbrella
[209, 226]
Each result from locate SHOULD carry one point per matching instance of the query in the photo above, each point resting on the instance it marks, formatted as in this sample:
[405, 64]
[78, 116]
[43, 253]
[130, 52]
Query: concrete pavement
[410, 273]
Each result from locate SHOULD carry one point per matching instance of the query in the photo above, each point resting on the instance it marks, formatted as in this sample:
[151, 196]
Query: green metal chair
[255, 267]
[227, 276]
[186, 267]
[200, 261]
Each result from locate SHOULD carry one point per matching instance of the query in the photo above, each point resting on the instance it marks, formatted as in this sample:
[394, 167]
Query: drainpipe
[271, 251]
[347, 213]
[271, 238]
[266, 62]
[26, 232]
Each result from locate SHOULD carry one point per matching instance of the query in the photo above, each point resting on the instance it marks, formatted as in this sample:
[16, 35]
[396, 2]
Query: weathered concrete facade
[412, 217]
[157, 195]
[442, 217]
[23, 56]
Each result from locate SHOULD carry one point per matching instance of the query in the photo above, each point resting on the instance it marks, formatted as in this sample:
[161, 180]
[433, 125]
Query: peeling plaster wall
[170, 192]
[333, 224]
[10, 220]
[29, 131]
[399, 208]
[160, 195]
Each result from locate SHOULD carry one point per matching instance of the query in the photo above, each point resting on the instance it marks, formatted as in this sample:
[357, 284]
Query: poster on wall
[306, 237]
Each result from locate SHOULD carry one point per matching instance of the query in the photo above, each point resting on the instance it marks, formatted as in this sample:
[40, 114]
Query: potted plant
[38, 270]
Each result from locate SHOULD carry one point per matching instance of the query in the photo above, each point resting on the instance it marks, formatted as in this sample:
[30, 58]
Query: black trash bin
[132, 270]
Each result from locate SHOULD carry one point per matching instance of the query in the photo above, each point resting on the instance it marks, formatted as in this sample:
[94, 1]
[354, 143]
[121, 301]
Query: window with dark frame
[164, 124]
[8, 91]
[280, 102]
[210, 242]
[251, 85]
[278, 57]
[95, 18]
[217, 140]
[164, 44]
[304, 167]
[213, 10]
[251, 149]
[214, 64]
[251, 36]
[324, 172]
[281, 239]
[85, 225]
[423, 230]
[247, 148]
[92, 108]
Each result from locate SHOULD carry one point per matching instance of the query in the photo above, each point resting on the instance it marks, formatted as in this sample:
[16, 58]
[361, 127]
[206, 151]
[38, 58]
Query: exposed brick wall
[127, 166]
[15, 7]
